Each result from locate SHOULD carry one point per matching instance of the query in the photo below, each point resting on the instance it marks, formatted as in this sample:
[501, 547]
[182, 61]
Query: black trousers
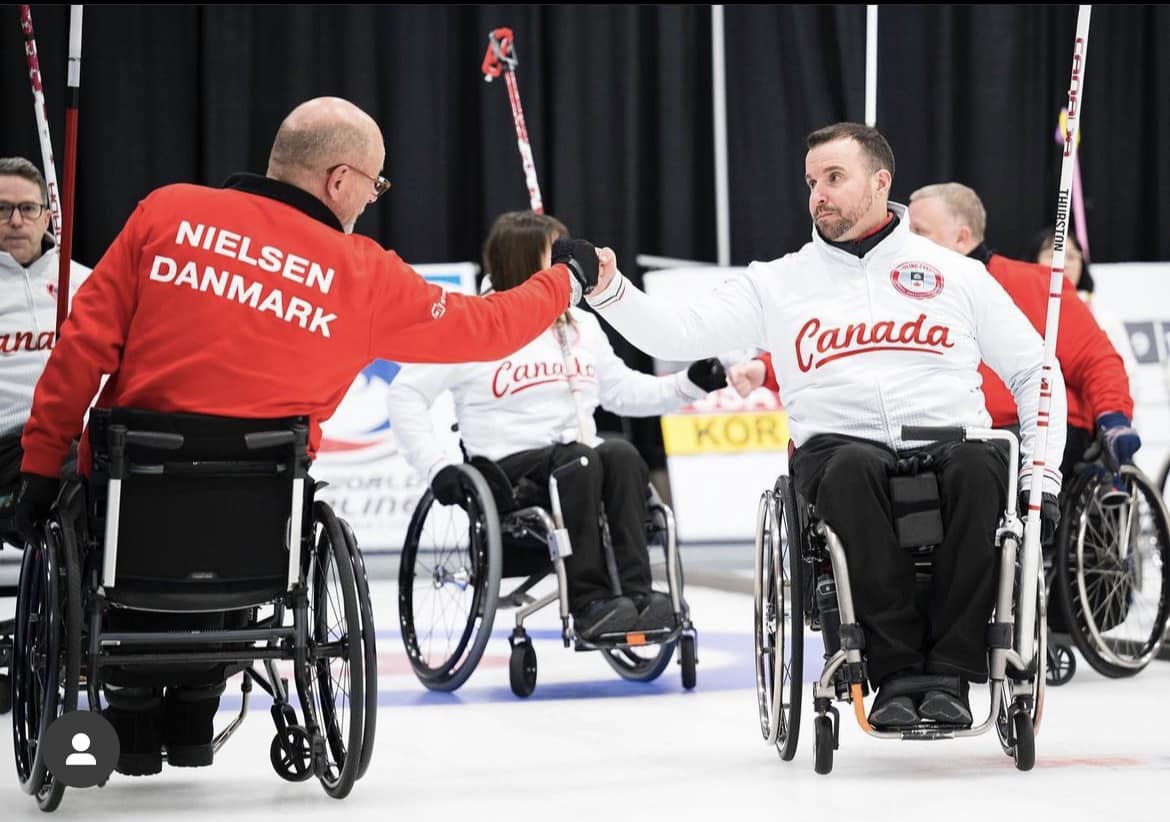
[616, 477]
[847, 480]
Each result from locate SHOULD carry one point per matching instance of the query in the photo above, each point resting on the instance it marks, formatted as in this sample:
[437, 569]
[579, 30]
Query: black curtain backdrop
[618, 102]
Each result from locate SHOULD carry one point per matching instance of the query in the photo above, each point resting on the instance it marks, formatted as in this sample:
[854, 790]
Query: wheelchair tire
[823, 742]
[687, 659]
[333, 620]
[779, 617]
[1024, 750]
[642, 664]
[369, 647]
[1115, 598]
[463, 575]
[50, 635]
[1062, 664]
[522, 669]
[291, 755]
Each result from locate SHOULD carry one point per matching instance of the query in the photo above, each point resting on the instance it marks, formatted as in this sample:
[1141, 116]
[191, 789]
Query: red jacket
[1094, 372]
[250, 301]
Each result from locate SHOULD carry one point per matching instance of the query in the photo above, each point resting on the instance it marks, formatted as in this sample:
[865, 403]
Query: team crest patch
[918, 280]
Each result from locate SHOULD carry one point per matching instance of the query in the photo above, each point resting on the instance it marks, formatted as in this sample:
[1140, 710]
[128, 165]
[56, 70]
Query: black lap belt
[915, 502]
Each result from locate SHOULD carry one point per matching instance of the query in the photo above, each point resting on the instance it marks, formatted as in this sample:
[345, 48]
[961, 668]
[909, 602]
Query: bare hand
[607, 268]
[746, 377]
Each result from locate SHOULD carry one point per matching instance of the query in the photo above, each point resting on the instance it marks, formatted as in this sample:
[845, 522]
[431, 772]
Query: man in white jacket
[872, 328]
[28, 303]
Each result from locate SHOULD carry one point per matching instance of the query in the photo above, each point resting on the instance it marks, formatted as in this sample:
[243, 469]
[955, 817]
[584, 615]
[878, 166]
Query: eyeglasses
[381, 184]
[30, 211]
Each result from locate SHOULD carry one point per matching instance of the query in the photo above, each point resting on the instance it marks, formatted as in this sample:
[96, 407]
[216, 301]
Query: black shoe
[655, 612]
[947, 707]
[895, 703]
[188, 727]
[893, 712]
[607, 615]
[139, 742]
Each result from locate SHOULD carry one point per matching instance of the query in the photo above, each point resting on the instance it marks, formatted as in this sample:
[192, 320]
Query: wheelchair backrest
[196, 510]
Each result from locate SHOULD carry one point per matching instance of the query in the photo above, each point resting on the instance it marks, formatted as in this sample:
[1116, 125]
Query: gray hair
[20, 167]
[962, 202]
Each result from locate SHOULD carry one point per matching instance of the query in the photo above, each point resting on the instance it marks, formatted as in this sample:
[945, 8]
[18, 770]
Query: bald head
[322, 134]
[319, 133]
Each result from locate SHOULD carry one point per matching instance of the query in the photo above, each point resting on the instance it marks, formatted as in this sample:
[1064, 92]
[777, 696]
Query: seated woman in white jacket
[532, 412]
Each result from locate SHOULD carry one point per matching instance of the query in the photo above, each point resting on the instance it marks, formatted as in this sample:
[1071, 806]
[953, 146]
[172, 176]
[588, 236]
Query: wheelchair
[1108, 570]
[259, 549]
[802, 578]
[454, 559]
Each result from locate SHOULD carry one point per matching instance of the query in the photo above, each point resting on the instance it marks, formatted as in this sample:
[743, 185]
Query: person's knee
[976, 470]
[621, 455]
[855, 467]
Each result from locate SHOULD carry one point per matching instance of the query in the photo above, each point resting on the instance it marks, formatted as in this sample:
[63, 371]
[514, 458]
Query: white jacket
[28, 323]
[524, 401]
[863, 346]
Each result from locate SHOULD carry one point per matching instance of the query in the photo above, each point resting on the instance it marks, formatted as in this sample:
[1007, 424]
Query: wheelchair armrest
[161, 440]
[268, 439]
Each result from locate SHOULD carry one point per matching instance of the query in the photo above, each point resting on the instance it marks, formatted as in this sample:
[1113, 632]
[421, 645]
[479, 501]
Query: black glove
[447, 486]
[580, 257]
[1049, 514]
[707, 374]
[34, 498]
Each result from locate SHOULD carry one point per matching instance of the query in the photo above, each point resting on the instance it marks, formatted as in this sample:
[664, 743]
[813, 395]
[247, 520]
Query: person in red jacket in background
[257, 300]
[952, 215]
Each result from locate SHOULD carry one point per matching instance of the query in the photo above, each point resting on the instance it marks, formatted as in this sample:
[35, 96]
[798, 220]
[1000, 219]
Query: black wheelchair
[1108, 570]
[186, 516]
[802, 578]
[453, 561]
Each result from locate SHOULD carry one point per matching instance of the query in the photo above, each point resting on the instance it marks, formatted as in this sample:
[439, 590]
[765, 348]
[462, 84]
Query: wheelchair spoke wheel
[1113, 571]
[640, 664]
[448, 584]
[779, 618]
[332, 685]
[369, 647]
[46, 657]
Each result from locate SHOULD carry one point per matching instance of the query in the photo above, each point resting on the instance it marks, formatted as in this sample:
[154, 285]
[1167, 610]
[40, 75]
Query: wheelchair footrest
[629, 639]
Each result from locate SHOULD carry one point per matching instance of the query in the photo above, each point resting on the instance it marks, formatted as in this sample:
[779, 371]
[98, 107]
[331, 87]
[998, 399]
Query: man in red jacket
[953, 216]
[257, 300]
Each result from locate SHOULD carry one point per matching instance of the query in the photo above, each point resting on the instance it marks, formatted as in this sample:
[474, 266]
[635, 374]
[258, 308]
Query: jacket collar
[285, 193]
[892, 233]
[981, 253]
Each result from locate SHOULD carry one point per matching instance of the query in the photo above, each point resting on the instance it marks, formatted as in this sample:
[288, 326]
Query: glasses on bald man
[381, 184]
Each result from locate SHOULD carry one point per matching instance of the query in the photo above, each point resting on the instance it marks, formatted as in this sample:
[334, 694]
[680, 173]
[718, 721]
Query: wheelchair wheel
[779, 618]
[522, 668]
[1062, 664]
[332, 681]
[46, 656]
[369, 647]
[449, 584]
[640, 664]
[1112, 572]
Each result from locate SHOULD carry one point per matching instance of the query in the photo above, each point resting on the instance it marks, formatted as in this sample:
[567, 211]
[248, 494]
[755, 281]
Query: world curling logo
[919, 281]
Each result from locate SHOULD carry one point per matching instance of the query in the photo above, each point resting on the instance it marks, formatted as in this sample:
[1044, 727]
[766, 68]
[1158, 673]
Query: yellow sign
[688, 434]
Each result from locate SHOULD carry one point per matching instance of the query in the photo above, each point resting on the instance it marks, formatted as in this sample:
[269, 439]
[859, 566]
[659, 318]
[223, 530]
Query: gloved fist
[746, 377]
[1120, 437]
[1049, 514]
[707, 374]
[34, 498]
[447, 486]
[581, 258]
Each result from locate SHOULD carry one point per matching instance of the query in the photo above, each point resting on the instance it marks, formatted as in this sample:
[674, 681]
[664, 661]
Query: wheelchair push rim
[450, 574]
[332, 681]
[779, 620]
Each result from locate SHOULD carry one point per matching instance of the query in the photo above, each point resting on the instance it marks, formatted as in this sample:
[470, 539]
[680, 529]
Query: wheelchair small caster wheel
[1024, 751]
[686, 658]
[522, 669]
[291, 754]
[1062, 664]
[823, 742]
[5, 695]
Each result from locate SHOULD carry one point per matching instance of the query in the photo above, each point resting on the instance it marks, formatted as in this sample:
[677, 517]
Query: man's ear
[884, 180]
